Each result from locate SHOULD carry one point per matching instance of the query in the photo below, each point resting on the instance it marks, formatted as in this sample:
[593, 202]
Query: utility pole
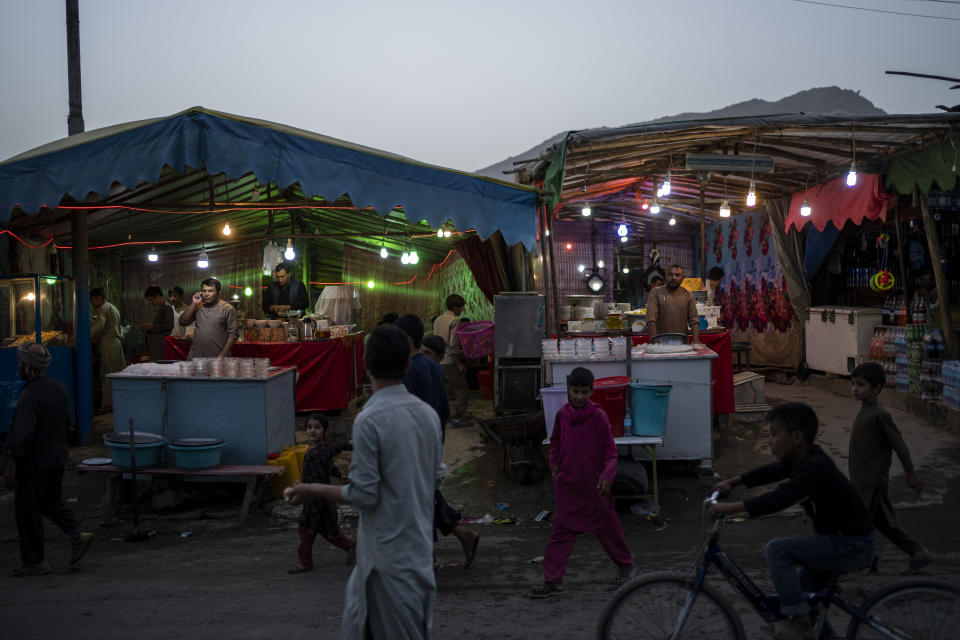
[81, 259]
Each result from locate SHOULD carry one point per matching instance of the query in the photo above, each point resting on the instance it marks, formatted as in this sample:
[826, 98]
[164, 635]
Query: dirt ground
[229, 579]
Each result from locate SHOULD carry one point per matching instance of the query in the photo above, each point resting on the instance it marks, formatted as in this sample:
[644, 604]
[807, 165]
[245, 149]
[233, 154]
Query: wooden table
[253, 475]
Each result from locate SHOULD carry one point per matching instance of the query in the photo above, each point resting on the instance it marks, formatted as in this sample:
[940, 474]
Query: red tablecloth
[328, 372]
[723, 401]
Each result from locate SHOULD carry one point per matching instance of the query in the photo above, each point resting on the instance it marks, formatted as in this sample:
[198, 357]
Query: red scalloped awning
[835, 202]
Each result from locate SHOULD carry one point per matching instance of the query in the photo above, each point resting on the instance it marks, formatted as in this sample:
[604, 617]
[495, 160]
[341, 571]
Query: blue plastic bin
[202, 457]
[648, 407]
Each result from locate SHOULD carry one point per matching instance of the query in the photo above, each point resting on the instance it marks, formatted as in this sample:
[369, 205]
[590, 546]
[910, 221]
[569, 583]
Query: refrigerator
[518, 370]
[837, 335]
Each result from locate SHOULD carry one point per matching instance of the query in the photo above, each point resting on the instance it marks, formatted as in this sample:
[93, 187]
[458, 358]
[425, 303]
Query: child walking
[583, 461]
[319, 516]
[873, 438]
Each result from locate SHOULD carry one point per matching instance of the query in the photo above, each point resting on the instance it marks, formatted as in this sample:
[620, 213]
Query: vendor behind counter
[284, 293]
[671, 308]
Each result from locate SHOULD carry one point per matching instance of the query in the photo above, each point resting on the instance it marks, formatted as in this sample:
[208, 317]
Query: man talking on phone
[216, 328]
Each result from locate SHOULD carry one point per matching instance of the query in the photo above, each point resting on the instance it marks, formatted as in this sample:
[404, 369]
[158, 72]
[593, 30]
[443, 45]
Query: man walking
[105, 330]
[454, 367]
[37, 446]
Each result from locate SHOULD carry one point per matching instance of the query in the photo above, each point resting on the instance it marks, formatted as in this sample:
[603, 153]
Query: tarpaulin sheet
[939, 163]
[721, 368]
[327, 372]
[835, 202]
[136, 152]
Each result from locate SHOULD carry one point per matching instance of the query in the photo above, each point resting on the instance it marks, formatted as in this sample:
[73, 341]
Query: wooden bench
[741, 348]
[253, 474]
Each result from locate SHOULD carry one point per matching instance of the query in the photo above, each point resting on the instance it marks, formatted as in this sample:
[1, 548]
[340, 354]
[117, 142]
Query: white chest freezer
[837, 335]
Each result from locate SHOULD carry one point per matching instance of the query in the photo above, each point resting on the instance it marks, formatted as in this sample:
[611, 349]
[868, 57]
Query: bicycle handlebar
[712, 499]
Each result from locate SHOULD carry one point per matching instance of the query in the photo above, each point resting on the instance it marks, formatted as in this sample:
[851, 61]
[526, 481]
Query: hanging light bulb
[599, 264]
[440, 232]
[447, 233]
[569, 246]
[665, 188]
[622, 230]
[805, 209]
[248, 291]
[852, 176]
[548, 233]
[405, 258]
[383, 251]
[289, 254]
[624, 239]
[31, 296]
[371, 284]
[581, 268]
[152, 256]
[644, 205]
[655, 207]
[724, 209]
[585, 211]
[626, 269]
[414, 258]
[751, 195]
[202, 260]
[226, 229]
[673, 221]
[236, 296]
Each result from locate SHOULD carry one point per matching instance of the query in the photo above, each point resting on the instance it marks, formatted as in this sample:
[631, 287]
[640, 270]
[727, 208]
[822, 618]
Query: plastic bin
[196, 457]
[611, 394]
[553, 398]
[291, 473]
[648, 406]
[299, 450]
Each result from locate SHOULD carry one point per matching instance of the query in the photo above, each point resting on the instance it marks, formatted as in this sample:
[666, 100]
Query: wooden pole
[903, 268]
[79, 254]
[550, 310]
[933, 244]
[703, 230]
[553, 273]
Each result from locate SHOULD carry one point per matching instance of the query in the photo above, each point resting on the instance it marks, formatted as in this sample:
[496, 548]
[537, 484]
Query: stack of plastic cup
[216, 367]
[187, 368]
[567, 350]
[618, 348]
[584, 348]
[201, 367]
[261, 367]
[550, 349]
[231, 367]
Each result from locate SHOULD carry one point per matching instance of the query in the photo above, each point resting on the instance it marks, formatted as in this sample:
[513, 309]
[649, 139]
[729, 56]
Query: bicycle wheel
[649, 606]
[918, 609]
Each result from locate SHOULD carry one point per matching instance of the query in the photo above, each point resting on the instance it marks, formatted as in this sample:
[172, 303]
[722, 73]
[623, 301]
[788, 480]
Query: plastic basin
[553, 398]
[196, 457]
[649, 405]
[611, 394]
[148, 453]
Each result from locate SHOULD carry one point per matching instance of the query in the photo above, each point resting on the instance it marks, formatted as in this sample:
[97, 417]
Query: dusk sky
[459, 84]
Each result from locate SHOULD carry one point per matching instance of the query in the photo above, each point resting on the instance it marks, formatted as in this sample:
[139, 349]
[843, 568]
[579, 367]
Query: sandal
[546, 590]
[299, 569]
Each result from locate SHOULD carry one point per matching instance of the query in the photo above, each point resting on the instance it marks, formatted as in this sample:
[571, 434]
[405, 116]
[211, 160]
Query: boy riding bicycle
[844, 540]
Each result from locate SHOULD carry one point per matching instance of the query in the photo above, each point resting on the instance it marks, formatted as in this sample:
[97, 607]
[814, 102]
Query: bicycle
[674, 605]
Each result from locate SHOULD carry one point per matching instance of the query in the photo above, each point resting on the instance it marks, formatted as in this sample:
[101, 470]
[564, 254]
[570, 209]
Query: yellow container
[299, 450]
[291, 472]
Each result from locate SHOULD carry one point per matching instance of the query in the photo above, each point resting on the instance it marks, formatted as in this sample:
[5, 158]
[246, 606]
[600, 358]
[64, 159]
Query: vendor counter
[329, 371]
[254, 415]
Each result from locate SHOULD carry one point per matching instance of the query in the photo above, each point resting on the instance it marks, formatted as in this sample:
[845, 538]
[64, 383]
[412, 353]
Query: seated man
[844, 534]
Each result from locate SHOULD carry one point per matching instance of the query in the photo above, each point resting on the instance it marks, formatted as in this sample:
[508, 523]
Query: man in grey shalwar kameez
[397, 465]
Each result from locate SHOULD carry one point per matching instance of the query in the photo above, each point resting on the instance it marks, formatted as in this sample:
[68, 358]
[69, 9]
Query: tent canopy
[158, 161]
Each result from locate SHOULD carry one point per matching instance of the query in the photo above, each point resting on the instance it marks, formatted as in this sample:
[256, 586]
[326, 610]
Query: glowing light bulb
[665, 188]
[581, 268]
[644, 205]
[414, 258]
[289, 254]
[405, 258]
[624, 238]
[852, 176]
[383, 252]
[585, 211]
[673, 221]
[600, 264]
[805, 209]
[226, 229]
[447, 234]
[569, 246]
[152, 256]
[724, 209]
[371, 284]
[626, 269]
[440, 233]
[203, 260]
[31, 296]
[752, 194]
[248, 292]
[622, 230]
[659, 191]
[548, 233]
[236, 297]
[655, 207]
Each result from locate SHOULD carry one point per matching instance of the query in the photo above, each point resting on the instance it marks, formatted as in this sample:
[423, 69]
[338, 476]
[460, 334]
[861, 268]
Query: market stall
[328, 371]
[254, 414]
